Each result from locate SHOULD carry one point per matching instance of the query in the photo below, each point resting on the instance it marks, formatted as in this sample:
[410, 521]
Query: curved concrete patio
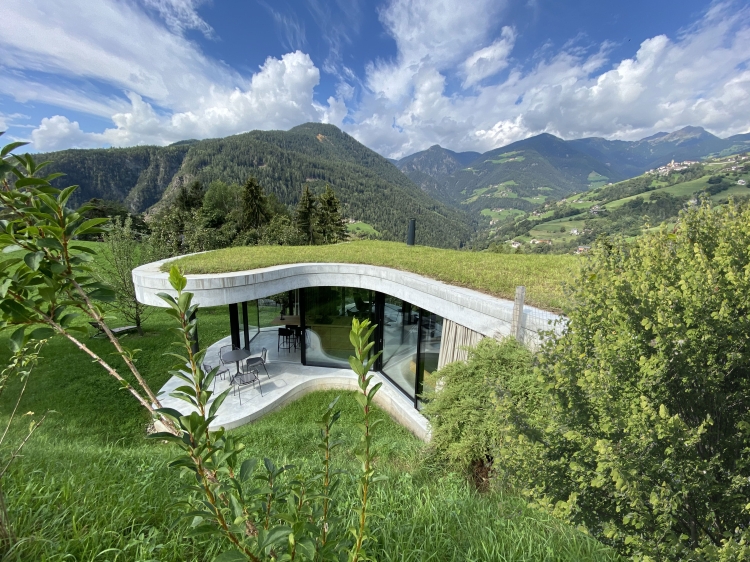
[289, 381]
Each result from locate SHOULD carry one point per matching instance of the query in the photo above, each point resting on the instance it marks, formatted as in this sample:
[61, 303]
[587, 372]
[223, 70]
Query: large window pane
[328, 321]
[432, 331]
[400, 334]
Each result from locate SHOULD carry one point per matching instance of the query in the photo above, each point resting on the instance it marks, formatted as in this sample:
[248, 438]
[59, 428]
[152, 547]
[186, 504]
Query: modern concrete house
[302, 314]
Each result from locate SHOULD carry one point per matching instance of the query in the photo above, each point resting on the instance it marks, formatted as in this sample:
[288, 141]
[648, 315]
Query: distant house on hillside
[741, 182]
[583, 249]
[515, 244]
[574, 231]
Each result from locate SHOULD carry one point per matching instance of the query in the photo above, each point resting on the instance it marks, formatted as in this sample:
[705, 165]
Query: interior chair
[285, 340]
[254, 362]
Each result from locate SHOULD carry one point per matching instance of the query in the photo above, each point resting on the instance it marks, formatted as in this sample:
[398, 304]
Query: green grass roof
[494, 274]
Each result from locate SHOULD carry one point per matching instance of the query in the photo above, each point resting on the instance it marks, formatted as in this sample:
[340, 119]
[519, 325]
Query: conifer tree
[331, 225]
[255, 211]
[306, 217]
[190, 198]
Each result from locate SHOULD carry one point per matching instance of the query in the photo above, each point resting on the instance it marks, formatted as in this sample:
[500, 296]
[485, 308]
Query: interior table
[285, 321]
[237, 355]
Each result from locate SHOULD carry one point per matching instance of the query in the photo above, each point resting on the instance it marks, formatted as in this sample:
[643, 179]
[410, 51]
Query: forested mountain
[524, 174]
[136, 176]
[632, 158]
[370, 188]
[543, 161]
[431, 169]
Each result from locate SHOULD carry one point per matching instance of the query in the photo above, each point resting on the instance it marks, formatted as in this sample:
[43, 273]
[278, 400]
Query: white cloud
[490, 60]
[698, 78]
[171, 90]
[180, 15]
[58, 132]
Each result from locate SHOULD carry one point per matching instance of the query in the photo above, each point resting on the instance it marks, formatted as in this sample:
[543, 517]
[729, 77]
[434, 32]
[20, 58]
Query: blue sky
[399, 75]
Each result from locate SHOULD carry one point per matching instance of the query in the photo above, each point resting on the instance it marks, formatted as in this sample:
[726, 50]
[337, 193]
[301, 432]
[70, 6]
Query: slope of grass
[494, 274]
[90, 487]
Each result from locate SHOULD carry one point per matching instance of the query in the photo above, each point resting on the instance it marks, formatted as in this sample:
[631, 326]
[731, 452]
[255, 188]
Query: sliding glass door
[328, 321]
[400, 339]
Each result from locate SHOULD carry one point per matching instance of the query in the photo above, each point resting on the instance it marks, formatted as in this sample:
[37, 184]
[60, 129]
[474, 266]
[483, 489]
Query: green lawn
[494, 274]
[362, 228]
[504, 214]
[89, 487]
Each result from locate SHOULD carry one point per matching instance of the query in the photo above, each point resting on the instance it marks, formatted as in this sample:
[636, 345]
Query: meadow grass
[90, 487]
[494, 274]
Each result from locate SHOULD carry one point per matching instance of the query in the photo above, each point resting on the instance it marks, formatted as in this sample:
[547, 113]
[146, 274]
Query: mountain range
[543, 166]
[446, 191]
[371, 189]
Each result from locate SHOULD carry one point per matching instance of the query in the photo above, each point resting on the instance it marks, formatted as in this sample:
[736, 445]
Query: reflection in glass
[400, 335]
[328, 321]
[429, 349]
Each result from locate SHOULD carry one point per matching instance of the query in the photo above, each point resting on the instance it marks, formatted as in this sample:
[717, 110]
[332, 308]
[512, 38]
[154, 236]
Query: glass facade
[328, 313]
[400, 342]
[429, 351]
[408, 336]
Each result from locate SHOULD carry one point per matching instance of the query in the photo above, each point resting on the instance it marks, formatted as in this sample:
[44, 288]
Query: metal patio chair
[253, 362]
[246, 377]
[220, 373]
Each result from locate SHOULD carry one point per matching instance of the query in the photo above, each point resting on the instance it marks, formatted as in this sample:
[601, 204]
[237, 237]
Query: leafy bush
[647, 442]
[471, 415]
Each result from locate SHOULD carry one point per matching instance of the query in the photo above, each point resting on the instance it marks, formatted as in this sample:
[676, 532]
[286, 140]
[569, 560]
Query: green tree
[254, 205]
[282, 232]
[306, 217]
[331, 224]
[648, 441]
[47, 282]
[125, 250]
[190, 197]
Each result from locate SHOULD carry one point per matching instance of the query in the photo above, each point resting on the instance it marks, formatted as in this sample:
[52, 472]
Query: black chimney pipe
[410, 234]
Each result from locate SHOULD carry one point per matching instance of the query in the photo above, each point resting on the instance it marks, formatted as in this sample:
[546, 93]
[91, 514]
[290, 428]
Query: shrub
[471, 414]
[647, 442]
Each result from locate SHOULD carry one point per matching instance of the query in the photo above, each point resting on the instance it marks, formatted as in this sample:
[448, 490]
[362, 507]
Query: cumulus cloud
[170, 89]
[700, 77]
[490, 60]
[453, 80]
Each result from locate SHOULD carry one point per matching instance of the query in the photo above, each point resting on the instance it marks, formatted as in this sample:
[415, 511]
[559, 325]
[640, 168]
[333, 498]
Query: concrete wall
[487, 315]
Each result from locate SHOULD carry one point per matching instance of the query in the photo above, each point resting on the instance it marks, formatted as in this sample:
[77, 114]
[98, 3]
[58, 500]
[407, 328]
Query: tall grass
[74, 500]
[89, 487]
[494, 274]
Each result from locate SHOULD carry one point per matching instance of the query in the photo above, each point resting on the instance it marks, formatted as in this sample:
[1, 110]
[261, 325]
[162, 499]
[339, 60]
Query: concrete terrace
[289, 380]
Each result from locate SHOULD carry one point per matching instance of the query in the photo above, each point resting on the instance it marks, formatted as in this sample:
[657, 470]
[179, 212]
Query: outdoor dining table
[236, 355]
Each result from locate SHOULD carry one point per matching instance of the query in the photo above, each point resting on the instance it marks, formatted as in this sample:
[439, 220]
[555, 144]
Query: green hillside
[621, 208]
[541, 166]
[136, 176]
[371, 189]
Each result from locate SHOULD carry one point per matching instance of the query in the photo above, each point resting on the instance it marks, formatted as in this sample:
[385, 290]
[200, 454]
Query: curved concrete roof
[482, 313]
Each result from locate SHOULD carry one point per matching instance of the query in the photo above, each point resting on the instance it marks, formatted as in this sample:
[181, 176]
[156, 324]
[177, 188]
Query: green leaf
[16, 340]
[10, 147]
[103, 294]
[4, 286]
[33, 259]
[177, 279]
[247, 469]
[231, 556]
[43, 333]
